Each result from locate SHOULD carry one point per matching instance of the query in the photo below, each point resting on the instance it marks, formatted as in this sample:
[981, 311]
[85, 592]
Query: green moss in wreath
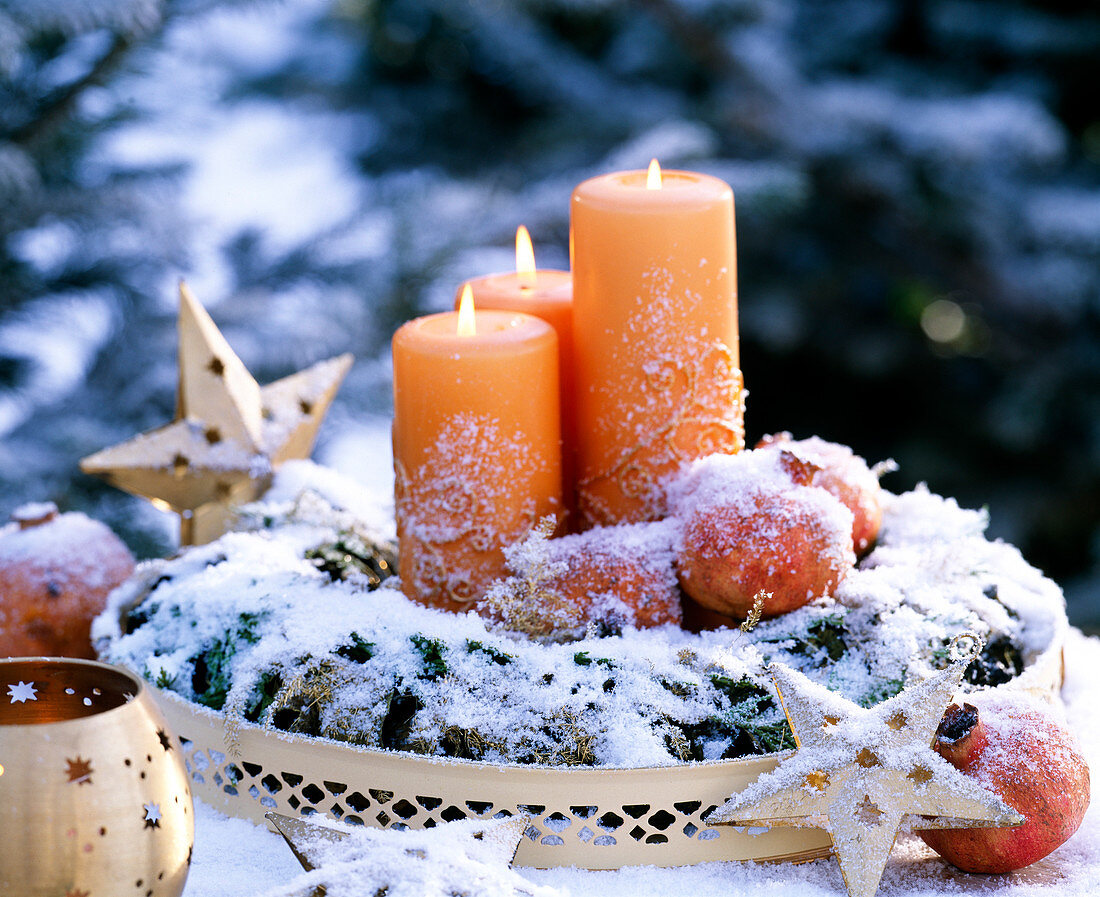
[432, 658]
[357, 649]
[351, 554]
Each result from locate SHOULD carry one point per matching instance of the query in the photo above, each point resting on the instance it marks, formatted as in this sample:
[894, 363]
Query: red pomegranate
[843, 473]
[611, 576]
[56, 571]
[750, 527]
[1035, 766]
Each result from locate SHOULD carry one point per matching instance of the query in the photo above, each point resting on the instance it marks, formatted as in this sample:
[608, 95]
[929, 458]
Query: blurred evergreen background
[918, 214]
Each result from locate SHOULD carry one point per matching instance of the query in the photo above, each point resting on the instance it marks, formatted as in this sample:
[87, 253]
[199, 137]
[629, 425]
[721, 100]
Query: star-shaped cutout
[165, 741]
[152, 815]
[229, 436]
[471, 857]
[23, 692]
[861, 774]
[79, 771]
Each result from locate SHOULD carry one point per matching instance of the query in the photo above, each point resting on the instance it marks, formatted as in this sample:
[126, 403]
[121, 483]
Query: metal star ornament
[229, 436]
[470, 857]
[864, 774]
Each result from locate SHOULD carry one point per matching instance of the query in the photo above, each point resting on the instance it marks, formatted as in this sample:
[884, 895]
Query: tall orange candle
[476, 447]
[547, 294]
[658, 380]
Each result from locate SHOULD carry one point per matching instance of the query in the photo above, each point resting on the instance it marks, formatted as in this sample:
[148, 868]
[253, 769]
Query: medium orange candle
[547, 294]
[476, 447]
[658, 380]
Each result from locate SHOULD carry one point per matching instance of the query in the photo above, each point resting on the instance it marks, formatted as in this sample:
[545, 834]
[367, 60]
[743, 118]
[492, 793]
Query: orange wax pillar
[476, 444]
[547, 294]
[658, 380]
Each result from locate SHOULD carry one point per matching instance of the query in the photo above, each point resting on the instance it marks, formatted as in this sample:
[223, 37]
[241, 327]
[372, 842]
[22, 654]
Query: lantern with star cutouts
[94, 795]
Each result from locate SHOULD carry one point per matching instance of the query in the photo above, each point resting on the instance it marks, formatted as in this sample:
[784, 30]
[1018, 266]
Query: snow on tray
[249, 625]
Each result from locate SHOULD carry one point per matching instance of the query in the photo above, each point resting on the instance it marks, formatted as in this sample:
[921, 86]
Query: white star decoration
[152, 813]
[470, 857]
[23, 692]
[864, 774]
[229, 436]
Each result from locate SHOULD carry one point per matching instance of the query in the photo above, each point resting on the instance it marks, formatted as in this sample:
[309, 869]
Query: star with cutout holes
[229, 436]
[472, 857]
[863, 774]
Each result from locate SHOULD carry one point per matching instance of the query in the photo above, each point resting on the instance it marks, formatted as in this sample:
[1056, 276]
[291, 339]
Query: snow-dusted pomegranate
[1018, 751]
[56, 571]
[750, 526]
[844, 474]
[610, 576]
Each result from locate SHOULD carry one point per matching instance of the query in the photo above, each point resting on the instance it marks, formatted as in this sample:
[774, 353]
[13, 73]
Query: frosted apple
[1035, 766]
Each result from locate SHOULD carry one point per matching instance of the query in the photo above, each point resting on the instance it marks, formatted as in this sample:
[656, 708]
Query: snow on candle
[655, 346]
[547, 294]
[476, 446]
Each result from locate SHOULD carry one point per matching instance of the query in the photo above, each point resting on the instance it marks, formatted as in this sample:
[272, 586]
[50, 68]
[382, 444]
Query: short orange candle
[658, 380]
[476, 447]
[547, 294]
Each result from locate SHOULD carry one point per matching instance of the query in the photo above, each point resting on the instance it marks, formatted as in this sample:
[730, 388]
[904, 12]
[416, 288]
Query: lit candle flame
[653, 176]
[525, 258]
[467, 323]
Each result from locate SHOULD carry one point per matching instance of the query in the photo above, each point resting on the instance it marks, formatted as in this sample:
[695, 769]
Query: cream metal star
[425, 862]
[23, 692]
[864, 774]
[229, 436]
